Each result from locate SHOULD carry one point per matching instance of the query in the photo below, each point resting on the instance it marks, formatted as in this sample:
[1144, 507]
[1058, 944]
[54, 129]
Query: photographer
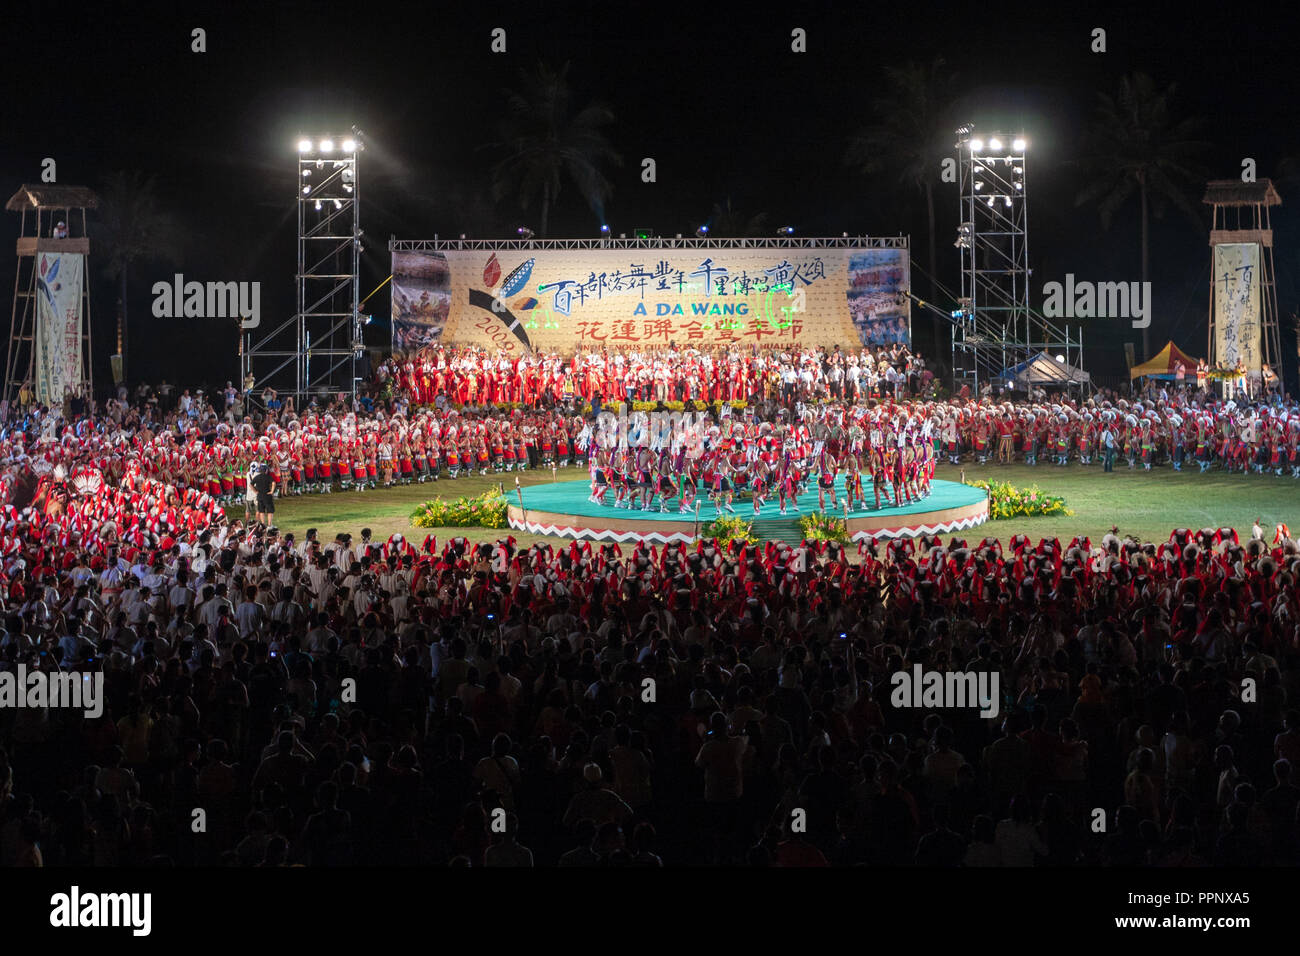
[265, 486]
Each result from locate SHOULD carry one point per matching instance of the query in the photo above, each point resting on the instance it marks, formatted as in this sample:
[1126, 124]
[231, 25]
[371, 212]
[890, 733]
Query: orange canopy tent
[1165, 363]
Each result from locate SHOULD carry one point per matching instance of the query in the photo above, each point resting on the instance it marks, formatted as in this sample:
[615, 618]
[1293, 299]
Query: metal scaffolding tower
[315, 352]
[994, 327]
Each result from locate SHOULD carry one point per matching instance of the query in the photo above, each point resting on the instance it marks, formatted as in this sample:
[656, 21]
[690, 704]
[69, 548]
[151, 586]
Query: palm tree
[546, 139]
[910, 134]
[1136, 145]
[134, 229]
[729, 223]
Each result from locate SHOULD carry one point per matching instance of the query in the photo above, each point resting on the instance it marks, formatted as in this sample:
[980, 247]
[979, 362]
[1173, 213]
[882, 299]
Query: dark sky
[711, 91]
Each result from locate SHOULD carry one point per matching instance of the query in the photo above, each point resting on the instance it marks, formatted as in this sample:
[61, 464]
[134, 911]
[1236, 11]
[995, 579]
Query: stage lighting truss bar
[782, 242]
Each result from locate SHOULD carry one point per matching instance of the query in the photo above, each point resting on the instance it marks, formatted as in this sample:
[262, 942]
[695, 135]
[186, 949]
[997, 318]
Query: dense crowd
[353, 701]
[365, 701]
[470, 376]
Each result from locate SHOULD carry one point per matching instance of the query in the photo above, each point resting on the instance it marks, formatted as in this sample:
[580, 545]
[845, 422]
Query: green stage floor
[570, 498]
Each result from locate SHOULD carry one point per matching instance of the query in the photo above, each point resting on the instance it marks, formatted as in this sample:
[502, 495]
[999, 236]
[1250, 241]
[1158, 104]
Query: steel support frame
[995, 327]
[314, 352]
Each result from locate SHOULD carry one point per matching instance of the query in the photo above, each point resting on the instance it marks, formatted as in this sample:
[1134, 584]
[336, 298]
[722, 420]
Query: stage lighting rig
[315, 349]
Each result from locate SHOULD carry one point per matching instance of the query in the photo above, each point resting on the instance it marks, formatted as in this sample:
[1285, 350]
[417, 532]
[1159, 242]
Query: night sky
[711, 91]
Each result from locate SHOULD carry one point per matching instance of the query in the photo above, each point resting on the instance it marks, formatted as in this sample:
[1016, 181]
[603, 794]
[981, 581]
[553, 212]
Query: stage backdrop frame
[523, 296]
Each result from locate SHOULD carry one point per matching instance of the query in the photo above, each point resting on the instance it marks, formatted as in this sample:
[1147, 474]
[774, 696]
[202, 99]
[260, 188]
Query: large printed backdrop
[525, 300]
[58, 325]
[1237, 305]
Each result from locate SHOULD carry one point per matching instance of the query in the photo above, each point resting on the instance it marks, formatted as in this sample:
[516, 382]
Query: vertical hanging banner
[58, 325]
[1237, 327]
[522, 300]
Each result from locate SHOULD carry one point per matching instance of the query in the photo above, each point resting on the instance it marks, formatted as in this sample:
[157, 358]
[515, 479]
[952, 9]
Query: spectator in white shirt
[180, 597]
[250, 616]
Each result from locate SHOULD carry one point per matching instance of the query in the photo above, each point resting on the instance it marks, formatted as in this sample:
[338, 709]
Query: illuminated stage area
[563, 509]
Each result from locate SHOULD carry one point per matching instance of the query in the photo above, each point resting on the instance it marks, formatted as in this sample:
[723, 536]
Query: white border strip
[942, 527]
[535, 527]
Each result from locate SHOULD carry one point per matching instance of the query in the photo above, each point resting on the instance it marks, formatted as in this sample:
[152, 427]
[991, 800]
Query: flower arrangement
[675, 406]
[1008, 501]
[816, 526]
[487, 510]
[1222, 373]
[725, 530]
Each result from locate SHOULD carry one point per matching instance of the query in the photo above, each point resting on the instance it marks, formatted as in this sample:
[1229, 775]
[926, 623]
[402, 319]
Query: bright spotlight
[1061, 359]
[604, 230]
[327, 146]
[1018, 146]
[306, 190]
[701, 232]
[304, 146]
[976, 145]
[349, 146]
[994, 143]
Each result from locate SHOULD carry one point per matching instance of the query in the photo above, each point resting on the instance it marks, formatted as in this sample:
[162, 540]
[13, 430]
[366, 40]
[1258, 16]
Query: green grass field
[1146, 504]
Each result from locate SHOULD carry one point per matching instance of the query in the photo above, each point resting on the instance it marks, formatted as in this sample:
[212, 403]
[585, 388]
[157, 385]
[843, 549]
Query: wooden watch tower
[49, 335]
[1243, 288]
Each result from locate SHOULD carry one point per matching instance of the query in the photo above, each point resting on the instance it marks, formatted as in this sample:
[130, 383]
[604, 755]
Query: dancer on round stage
[827, 469]
[759, 477]
[723, 490]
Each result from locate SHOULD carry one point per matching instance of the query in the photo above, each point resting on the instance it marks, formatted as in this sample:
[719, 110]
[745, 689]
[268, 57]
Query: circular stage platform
[562, 508]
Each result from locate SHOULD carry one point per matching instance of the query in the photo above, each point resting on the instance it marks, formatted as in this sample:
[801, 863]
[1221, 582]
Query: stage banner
[527, 300]
[1237, 305]
[58, 325]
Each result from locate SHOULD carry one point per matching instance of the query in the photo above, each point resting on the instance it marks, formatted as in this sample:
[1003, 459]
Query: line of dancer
[896, 465]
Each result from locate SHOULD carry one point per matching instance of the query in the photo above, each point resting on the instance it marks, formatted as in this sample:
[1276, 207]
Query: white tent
[1043, 369]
